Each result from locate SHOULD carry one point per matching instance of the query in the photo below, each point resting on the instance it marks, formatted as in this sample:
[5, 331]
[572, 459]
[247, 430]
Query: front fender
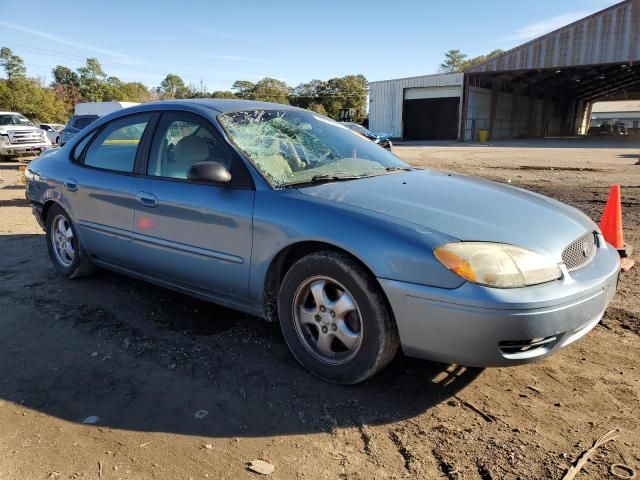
[390, 248]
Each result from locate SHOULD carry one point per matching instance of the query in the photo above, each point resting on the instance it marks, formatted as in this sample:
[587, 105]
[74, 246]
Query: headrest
[192, 149]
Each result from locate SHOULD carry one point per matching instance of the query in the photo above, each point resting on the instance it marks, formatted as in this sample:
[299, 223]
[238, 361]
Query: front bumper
[482, 327]
[18, 150]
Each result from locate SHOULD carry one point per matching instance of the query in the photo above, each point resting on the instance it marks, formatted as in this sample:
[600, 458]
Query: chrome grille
[17, 137]
[580, 252]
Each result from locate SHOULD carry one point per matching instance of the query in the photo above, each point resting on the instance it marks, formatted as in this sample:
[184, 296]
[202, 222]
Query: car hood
[383, 136]
[465, 208]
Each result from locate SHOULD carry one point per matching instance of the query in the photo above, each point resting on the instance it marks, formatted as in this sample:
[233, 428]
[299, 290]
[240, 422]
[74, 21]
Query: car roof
[224, 105]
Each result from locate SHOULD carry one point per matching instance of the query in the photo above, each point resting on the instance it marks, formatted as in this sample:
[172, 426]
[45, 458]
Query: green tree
[243, 89]
[271, 90]
[453, 61]
[66, 85]
[65, 76]
[222, 94]
[92, 69]
[307, 94]
[29, 98]
[456, 61]
[345, 92]
[13, 65]
[318, 108]
[173, 87]
[94, 86]
[480, 59]
[133, 92]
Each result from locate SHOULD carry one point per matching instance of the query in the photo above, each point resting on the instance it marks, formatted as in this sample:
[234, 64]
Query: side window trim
[79, 159]
[144, 149]
[96, 133]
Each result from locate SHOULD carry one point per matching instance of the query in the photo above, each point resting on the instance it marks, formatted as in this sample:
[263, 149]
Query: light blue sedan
[288, 215]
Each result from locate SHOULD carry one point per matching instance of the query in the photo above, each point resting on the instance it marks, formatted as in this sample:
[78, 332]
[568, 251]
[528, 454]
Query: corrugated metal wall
[609, 36]
[386, 99]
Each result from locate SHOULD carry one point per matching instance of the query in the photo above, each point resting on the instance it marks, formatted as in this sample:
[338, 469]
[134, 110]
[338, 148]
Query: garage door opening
[431, 118]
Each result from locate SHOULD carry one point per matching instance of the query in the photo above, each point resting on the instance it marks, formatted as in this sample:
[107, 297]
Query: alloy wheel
[62, 240]
[327, 320]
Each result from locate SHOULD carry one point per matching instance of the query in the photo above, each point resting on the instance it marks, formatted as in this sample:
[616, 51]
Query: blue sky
[295, 41]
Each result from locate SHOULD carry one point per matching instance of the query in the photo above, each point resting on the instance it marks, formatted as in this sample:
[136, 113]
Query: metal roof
[426, 80]
[609, 36]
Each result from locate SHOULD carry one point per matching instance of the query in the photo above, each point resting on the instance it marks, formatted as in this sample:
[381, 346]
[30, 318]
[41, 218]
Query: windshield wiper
[332, 178]
[323, 178]
[398, 169]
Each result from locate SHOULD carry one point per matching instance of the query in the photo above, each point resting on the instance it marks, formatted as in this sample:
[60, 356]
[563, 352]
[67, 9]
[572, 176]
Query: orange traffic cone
[611, 222]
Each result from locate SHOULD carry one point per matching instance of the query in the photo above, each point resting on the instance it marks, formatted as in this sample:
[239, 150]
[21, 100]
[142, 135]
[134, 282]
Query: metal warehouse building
[545, 87]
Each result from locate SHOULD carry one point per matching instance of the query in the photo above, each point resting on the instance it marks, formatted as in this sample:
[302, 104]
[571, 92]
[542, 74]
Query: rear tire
[65, 251]
[335, 319]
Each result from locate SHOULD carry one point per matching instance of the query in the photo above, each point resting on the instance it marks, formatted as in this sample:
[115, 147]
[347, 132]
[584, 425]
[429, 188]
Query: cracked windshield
[293, 147]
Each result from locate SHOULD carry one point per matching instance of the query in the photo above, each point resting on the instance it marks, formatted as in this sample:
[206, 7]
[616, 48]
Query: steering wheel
[215, 153]
[171, 154]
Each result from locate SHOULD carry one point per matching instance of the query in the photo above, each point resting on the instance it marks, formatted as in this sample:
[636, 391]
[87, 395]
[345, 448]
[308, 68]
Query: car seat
[188, 151]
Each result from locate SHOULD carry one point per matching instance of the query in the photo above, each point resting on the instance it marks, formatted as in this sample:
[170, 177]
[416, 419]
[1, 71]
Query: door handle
[70, 185]
[147, 199]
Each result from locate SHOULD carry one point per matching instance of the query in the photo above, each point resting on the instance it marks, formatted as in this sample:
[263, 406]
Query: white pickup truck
[19, 136]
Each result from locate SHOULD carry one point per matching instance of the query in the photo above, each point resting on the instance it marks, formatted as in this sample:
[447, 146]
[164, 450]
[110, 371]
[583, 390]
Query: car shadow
[10, 166]
[15, 202]
[143, 358]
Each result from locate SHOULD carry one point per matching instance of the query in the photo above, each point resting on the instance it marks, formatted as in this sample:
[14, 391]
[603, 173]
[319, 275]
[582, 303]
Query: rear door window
[116, 146]
[79, 148]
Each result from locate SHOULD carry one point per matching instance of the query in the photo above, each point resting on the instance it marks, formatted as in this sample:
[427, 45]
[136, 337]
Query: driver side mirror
[213, 172]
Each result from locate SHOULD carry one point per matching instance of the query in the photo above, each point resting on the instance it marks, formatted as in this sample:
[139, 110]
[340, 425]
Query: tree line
[90, 83]
[455, 61]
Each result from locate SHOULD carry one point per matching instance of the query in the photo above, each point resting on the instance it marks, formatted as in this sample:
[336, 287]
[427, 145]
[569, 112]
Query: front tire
[335, 319]
[63, 245]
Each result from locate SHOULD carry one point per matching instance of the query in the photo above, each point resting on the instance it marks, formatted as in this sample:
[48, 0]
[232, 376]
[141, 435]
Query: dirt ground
[184, 389]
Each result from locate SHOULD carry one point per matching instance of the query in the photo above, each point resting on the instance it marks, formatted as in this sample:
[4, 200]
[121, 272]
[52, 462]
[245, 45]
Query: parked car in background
[53, 131]
[19, 136]
[620, 128]
[382, 139]
[285, 214]
[610, 128]
[86, 113]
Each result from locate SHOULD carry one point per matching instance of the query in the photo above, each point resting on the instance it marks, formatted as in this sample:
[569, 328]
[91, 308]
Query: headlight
[496, 264]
